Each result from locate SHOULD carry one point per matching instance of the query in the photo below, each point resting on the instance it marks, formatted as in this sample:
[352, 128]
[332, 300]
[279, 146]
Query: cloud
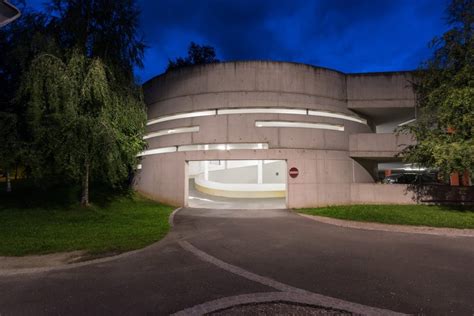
[348, 35]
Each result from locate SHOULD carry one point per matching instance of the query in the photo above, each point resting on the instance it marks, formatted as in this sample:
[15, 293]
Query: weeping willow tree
[81, 124]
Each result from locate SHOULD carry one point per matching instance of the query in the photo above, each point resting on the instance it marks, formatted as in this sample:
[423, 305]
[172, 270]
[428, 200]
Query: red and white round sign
[294, 172]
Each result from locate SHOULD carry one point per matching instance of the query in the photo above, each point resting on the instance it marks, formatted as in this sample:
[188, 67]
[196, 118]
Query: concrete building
[320, 134]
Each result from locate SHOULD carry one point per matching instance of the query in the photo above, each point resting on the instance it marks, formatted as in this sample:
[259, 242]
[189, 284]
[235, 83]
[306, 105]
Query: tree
[81, 123]
[444, 88]
[104, 33]
[197, 55]
[8, 148]
[19, 43]
[107, 29]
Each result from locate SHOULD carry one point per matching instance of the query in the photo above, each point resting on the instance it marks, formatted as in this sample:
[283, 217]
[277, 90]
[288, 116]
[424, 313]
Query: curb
[12, 272]
[172, 215]
[311, 299]
[424, 230]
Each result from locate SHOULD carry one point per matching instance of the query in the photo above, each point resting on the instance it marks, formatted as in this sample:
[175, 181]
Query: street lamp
[8, 13]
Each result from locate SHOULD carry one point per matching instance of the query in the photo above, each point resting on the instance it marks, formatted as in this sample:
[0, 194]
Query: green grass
[417, 215]
[40, 222]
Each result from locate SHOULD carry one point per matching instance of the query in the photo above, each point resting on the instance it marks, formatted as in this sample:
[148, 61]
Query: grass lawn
[418, 215]
[42, 222]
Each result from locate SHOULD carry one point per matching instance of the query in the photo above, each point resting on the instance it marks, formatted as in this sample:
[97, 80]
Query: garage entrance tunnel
[237, 184]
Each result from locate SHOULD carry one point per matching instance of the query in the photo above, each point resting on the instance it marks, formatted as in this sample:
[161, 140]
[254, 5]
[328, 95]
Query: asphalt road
[408, 273]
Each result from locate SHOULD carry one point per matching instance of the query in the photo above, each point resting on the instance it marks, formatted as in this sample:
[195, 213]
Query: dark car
[410, 178]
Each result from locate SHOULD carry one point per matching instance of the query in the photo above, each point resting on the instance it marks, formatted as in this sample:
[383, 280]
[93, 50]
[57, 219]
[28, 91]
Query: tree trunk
[85, 186]
[9, 185]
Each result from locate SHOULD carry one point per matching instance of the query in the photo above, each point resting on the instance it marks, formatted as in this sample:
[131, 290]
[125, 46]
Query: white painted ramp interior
[237, 184]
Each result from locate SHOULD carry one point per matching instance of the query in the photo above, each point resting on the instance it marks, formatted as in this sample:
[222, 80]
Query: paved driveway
[223, 255]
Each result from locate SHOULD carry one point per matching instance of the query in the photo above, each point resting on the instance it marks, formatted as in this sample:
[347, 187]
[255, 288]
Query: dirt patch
[41, 261]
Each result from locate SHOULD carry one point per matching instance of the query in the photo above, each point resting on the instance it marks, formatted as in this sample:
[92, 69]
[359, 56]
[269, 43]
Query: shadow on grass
[456, 208]
[448, 198]
[27, 195]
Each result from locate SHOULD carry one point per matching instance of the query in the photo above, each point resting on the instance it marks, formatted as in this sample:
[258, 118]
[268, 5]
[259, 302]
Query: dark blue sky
[347, 35]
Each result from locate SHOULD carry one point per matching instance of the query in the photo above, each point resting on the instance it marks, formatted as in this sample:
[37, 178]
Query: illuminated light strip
[203, 147]
[333, 127]
[337, 115]
[341, 116]
[181, 116]
[172, 131]
[223, 146]
[156, 151]
[262, 111]
[407, 122]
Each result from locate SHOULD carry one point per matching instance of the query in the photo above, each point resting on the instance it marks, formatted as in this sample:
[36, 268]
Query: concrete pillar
[206, 170]
[260, 172]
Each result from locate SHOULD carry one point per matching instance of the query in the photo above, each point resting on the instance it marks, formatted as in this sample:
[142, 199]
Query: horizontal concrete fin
[372, 145]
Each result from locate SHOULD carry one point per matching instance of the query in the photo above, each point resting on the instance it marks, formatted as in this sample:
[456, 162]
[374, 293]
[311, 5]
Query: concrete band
[226, 100]
[291, 111]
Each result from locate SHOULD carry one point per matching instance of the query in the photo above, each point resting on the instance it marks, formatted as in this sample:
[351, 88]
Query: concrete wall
[274, 172]
[380, 90]
[325, 176]
[322, 156]
[249, 174]
[246, 174]
[378, 145]
[246, 84]
[197, 167]
[376, 193]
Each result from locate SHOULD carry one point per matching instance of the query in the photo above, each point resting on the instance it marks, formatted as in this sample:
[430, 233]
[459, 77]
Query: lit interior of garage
[237, 184]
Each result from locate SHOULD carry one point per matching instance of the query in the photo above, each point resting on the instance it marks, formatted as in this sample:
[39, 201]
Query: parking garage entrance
[237, 184]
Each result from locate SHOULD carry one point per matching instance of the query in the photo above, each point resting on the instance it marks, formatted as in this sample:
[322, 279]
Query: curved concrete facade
[267, 110]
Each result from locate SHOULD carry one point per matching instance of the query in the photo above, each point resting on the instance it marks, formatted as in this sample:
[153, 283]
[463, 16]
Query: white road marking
[239, 271]
[289, 293]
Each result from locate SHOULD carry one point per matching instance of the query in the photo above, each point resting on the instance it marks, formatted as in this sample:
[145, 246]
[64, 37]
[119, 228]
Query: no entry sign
[294, 172]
